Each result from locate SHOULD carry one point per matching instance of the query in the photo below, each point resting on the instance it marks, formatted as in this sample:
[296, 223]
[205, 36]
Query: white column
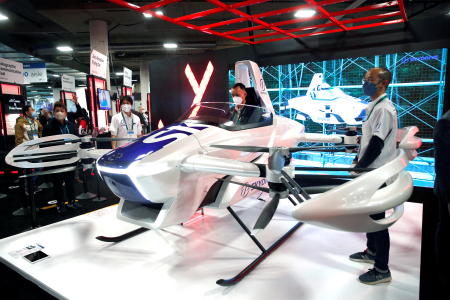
[144, 84]
[98, 30]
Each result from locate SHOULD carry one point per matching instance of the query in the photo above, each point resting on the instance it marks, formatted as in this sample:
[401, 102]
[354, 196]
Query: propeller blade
[262, 189]
[243, 148]
[318, 148]
[108, 139]
[57, 142]
[267, 213]
[53, 171]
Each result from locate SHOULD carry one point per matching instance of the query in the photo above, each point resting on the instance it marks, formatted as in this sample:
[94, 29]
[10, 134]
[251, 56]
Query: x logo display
[199, 89]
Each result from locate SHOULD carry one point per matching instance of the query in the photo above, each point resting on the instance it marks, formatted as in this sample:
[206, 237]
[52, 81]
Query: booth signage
[12, 104]
[127, 74]
[34, 72]
[67, 83]
[11, 71]
[99, 64]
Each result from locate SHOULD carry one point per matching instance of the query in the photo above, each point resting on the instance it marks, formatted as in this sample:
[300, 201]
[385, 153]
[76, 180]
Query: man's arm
[373, 150]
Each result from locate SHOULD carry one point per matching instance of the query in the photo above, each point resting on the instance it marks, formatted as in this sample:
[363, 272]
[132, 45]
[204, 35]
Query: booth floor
[185, 261]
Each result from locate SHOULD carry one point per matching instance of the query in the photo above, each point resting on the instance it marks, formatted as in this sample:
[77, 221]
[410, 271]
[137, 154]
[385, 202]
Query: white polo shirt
[123, 126]
[381, 121]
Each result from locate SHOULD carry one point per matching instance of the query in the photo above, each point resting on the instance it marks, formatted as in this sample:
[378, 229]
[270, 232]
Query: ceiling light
[304, 13]
[134, 80]
[147, 15]
[119, 73]
[159, 12]
[34, 91]
[3, 17]
[55, 75]
[49, 87]
[170, 45]
[64, 48]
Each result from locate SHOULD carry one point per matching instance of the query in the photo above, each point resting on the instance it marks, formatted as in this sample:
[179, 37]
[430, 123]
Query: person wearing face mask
[27, 127]
[44, 116]
[245, 100]
[56, 126]
[125, 124]
[377, 147]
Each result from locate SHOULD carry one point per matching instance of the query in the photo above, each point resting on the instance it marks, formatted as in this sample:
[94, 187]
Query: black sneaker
[363, 257]
[375, 277]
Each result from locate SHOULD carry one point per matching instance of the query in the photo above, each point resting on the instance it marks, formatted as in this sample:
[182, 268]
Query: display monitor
[71, 106]
[104, 99]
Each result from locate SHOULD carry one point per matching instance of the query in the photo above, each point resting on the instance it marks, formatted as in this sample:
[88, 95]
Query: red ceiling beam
[218, 9]
[274, 27]
[401, 5]
[156, 5]
[326, 13]
[355, 20]
[334, 14]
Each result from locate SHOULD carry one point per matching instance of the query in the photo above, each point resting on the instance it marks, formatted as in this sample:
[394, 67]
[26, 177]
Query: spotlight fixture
[64, 48]
[304, 13]
[3, 17]
[159, 12]
[147, 15]
[170, 45]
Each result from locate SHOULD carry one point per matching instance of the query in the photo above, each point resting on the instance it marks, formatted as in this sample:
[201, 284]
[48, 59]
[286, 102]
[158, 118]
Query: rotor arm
[210, 164]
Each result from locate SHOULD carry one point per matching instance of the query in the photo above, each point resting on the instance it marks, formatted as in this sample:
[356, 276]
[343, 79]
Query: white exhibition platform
[184, 262]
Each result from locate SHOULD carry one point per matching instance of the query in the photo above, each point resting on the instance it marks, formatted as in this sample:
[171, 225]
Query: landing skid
[265, 252]
[123, 237]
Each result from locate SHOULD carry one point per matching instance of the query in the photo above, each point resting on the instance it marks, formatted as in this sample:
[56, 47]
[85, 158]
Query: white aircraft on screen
[328, 105]
[219, 154]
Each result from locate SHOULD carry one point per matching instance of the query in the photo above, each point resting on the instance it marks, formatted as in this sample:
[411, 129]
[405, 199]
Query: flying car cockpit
[228, 115]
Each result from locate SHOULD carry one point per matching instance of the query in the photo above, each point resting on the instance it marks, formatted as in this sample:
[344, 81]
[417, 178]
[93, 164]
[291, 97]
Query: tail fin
[316, 83]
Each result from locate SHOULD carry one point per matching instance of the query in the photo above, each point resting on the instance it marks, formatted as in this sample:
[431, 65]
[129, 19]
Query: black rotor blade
[267, 213]
[57, 142]
[47, 158]
[312, 148]
[333, 169]
[46, 153]
[262, 189]
[243, 148]
[52, 171]
[108, 139]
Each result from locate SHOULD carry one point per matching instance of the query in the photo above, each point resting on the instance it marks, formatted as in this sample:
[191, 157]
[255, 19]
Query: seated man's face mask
[237, 100]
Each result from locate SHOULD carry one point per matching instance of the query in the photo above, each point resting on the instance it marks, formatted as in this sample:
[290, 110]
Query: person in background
[442, 191]
[125, 124]
[27, 128]
[378, 147]
[144, 119]
[56, 126]
[44, 116]
[73, 116]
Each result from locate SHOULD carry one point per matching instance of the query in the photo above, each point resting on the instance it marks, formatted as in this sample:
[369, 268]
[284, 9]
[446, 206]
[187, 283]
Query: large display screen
[327, 95]
[104, 99]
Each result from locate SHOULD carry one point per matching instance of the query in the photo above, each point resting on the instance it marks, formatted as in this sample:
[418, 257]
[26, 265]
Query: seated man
[243, 97]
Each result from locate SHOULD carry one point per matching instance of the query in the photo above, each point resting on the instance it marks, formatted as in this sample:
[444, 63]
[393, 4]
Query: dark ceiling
[36, 27]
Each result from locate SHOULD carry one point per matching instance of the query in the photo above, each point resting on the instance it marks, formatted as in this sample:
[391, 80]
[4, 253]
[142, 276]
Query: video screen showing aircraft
[328, 105]
[327, 95]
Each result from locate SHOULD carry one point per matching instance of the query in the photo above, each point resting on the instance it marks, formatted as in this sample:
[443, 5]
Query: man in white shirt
[378, 147]
[125, 124]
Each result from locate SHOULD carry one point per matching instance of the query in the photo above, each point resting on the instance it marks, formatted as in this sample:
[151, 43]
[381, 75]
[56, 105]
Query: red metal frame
[399, 13]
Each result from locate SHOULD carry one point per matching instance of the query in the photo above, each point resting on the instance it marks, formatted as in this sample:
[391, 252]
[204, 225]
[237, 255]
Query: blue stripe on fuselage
[122, 157]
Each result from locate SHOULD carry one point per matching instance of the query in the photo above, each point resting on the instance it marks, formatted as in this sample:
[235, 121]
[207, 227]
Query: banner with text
[11, 71]
[127, 75]
[67, 83]
[34, 72]
[99, 64]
